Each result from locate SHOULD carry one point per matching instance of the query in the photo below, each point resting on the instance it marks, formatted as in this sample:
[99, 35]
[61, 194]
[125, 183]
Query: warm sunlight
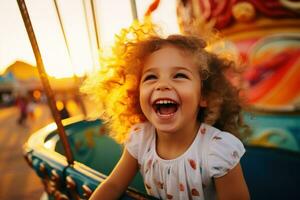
[57, 60]
[78, 54]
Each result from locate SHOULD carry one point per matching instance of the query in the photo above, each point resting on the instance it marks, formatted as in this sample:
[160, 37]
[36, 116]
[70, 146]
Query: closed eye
[181, 75]
[149, 77]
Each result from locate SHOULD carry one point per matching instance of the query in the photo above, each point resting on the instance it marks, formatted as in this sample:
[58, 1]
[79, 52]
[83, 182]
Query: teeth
[165, 102]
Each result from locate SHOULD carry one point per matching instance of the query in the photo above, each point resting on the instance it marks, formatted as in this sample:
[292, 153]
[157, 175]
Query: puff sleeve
[133, 142]
[224, 153]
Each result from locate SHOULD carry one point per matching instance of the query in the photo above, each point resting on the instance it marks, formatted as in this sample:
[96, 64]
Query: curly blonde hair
[116, 87]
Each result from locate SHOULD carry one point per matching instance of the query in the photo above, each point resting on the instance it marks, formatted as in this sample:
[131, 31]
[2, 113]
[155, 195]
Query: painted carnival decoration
[265, 36]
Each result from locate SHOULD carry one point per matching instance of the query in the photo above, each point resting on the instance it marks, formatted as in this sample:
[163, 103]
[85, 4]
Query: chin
[165, 128]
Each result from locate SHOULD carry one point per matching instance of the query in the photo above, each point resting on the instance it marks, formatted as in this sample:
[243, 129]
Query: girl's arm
[232, 186]
[118, 180]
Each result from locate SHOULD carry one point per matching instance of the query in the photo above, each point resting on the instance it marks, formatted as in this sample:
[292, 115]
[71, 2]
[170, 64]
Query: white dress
[212, 154]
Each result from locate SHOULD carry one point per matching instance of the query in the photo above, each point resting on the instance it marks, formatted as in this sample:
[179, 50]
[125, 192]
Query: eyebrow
[175, 67]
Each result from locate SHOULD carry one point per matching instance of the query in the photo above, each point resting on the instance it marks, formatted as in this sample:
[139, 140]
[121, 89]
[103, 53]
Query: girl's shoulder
[140, 137]
[214, 135]
[140, 131]
[222, 151]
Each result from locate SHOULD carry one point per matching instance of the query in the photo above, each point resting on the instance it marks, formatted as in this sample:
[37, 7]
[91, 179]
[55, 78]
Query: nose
[162, 85]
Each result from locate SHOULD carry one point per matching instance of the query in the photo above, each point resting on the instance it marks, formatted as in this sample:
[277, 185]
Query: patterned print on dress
[148, 166]
[217, 138]
[181, 187]
[160, 185]
[169, 170]
[235, 155]
[136, 129]
[147, 186]
[153, 163]
[149, 163]
[192, 163]
[203, 130]
[200, 170]
[169, 196]
[195, 192]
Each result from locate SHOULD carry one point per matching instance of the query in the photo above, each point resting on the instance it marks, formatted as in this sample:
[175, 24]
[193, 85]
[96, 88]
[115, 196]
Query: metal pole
[76, 80]
[64, 34]
[95, 25]
[89, 34]
[45, 81]
[134, 10]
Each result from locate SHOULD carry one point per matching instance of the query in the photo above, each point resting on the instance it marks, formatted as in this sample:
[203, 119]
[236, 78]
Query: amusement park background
[262, 36]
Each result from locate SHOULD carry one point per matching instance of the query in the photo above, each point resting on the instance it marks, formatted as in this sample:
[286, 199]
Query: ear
[203, 103]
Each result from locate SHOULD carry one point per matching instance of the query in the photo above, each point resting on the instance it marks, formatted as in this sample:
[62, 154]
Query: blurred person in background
[22, 104]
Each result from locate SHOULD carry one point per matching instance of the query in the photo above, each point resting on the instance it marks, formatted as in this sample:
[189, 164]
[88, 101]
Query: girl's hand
[232, 186]
[118, 180]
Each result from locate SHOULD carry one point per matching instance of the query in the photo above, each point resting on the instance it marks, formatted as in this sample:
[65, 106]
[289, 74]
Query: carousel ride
[264, 38]
[73, 156]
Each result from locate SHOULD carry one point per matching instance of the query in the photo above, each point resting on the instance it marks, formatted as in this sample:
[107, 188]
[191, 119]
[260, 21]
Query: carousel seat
[270, 173]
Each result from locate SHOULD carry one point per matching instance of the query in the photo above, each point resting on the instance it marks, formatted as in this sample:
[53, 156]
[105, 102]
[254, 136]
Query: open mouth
[165, 107]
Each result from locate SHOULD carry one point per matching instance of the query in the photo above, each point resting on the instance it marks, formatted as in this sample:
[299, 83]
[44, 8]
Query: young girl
[184, 117]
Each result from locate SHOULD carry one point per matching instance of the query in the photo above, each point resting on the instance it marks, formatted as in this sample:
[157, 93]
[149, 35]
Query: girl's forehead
[173, 55]
[165, 53]
[169, 57]
[168, 51]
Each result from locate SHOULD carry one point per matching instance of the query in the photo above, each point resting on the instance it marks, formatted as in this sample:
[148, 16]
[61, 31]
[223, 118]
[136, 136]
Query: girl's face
[170, 90]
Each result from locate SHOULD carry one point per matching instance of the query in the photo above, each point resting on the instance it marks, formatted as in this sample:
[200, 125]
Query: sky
[82, 56]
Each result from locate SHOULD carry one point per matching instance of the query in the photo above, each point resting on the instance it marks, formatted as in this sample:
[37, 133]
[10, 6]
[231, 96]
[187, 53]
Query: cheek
[192, 95]
[143, 98]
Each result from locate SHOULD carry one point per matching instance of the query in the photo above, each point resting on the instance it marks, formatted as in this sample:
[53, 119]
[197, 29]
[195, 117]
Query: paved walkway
[17, 179]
